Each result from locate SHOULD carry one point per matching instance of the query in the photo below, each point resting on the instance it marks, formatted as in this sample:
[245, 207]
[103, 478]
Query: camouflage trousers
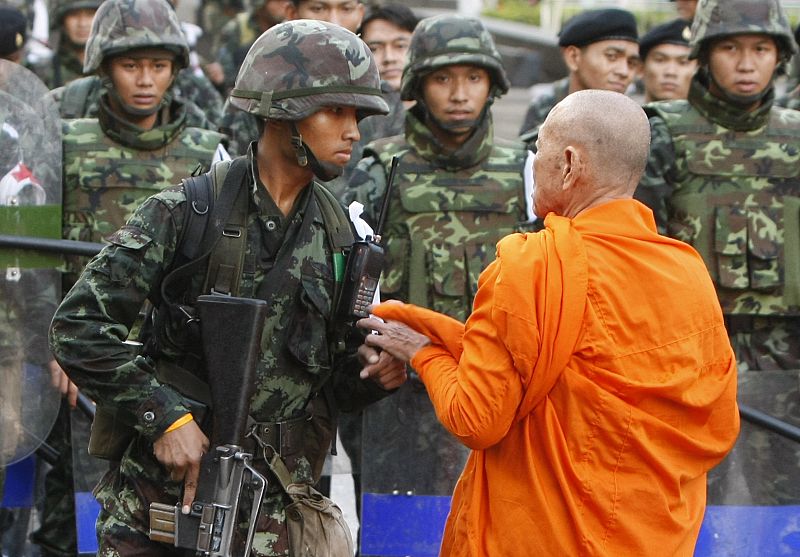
[763, 467]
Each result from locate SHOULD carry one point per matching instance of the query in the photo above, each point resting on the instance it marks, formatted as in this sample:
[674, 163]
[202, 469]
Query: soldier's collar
[725, 113]
[471, 153]
[130, 135]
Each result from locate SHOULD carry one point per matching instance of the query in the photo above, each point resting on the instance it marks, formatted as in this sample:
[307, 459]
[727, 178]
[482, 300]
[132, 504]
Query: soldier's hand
[383, 368]
[180, 451]
[60, 380]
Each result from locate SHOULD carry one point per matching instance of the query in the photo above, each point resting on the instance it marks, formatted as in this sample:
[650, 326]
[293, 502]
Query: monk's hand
[180, 451]
[383, 368]
[60, 380]
[394, 337]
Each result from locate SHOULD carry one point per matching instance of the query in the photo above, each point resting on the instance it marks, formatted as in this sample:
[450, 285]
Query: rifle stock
[231, 335]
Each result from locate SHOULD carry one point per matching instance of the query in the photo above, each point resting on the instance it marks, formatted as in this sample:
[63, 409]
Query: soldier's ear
[572, 57]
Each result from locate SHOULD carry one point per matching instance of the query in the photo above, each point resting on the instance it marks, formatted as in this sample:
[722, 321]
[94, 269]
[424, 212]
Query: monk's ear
[572, 169]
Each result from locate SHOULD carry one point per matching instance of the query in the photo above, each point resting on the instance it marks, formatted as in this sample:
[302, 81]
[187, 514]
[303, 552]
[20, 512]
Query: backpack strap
[206, 214]
[338, 229]
[226, 259]
[73, 100]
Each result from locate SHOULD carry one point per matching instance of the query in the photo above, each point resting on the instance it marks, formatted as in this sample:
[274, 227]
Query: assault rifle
[231, 330]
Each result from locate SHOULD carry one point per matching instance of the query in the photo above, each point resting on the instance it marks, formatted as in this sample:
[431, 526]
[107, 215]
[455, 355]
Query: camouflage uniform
[446, 212]
[236, 38]
[288, 263]
[80, 97]
[65, 65]
[727, 182]
[541, 106]
[239, 127]
[110, 167]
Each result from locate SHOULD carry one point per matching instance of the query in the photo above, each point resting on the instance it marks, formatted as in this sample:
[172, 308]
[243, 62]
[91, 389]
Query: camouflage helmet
[446, 40]
[297, 67]
[57, 9]
[122, 25]
[721, 18]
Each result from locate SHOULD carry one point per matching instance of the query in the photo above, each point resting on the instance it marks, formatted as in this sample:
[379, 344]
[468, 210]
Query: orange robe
[594, 383]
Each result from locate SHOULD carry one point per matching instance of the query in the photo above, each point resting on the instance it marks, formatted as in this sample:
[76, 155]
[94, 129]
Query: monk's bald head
[611, 128]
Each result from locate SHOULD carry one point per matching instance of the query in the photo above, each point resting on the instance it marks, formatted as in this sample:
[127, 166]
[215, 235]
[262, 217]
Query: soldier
[600, 48]
[238, 35]
[241, 127]
[300, 80]
[136, 48]
[347, 13]
[724, 176]
[792, 98]
[458, 191]
[666, 68]
[70, 25]
[80, 98]
[139, 144]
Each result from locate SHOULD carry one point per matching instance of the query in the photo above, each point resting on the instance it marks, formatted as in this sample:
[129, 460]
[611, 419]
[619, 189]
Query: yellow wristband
[183, 420]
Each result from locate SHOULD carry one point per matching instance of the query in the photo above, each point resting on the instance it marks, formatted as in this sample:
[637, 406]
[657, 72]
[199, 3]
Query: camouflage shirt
[236, 38]
[728, 183]
[446, 212]
[111, 166]
[239, 127]
[790, 99]
[296, 357]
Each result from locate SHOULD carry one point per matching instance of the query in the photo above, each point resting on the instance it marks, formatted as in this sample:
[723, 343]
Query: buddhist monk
[594, 381]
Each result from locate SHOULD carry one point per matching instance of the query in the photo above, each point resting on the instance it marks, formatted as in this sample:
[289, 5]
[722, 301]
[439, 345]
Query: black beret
[598, 25]
[12, 30]
[677, 31]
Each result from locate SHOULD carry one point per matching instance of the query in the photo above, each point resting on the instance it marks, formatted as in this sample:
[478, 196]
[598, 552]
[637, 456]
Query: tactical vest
[104, 181]
[736, 200]
[442, 226]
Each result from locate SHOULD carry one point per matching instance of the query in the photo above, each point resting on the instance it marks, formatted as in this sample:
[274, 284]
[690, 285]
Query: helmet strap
[129, 110]
[305, 157]
[739, 100]
[453, 128]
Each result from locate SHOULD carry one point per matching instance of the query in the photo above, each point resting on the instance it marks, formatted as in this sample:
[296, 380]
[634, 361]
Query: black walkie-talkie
[364, 266]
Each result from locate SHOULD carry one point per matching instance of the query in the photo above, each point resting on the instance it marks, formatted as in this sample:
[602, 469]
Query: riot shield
[754, 494]
[410, 465]
[30, 287]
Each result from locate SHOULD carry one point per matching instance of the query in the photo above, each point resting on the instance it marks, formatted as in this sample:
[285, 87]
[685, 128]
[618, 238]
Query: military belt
[739, 323]
[283, 438]
[747, 323]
